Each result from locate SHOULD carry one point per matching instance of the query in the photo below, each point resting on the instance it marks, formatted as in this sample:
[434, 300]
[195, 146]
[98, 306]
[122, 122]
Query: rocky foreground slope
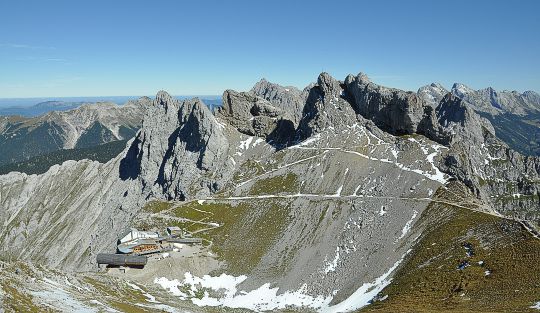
[306, 199]
[86, 126]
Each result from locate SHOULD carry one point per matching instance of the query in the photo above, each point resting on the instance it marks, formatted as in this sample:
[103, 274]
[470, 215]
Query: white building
[135, 234]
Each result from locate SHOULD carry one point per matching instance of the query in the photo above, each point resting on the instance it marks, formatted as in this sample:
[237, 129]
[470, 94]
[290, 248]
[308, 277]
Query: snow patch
[266, 298]
[338, 191]
[331, 266]
[244, 145]
[408, 225]
[306, 142]
[363, 295]
[263, 298]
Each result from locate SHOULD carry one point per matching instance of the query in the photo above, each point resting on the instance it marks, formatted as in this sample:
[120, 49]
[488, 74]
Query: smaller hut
[175, 231]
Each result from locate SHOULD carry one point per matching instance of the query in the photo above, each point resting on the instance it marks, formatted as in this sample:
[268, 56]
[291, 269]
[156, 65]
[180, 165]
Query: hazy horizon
[28, 102]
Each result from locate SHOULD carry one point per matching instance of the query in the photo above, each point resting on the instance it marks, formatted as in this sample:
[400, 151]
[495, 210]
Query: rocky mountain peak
[460, 88]
[179, 143]
[432, 94]
[329, 85]
[143, 102]
[264, 88]
[363, 78]
[530, 93]
[289, 99]
[164, 99]
[491, 101]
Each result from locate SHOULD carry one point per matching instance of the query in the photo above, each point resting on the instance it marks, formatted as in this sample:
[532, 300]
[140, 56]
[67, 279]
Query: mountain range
[88, 125]
[515, 116]
[40, 108]
[340, 197]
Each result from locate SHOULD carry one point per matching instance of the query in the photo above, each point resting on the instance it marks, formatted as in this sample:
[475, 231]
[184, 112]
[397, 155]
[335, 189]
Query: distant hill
[33, 107]
[41, 108]
[40, 164]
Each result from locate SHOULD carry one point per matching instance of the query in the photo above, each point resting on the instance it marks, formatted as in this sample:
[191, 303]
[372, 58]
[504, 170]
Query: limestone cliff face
[180, 152]
[326, 107]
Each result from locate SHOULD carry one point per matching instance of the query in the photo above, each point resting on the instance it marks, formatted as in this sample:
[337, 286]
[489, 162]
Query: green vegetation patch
[123, 298]
[157, 206]
[41, 163]
[275, 185]
[240, 234]
[247, 170]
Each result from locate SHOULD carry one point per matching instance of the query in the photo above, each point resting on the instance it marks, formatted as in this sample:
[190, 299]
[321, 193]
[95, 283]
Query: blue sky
[99, 48]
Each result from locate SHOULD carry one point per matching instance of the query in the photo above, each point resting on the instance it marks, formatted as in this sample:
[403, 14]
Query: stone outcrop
[289, 99]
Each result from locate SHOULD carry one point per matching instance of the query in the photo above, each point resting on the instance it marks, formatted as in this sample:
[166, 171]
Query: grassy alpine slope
[500, 258]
